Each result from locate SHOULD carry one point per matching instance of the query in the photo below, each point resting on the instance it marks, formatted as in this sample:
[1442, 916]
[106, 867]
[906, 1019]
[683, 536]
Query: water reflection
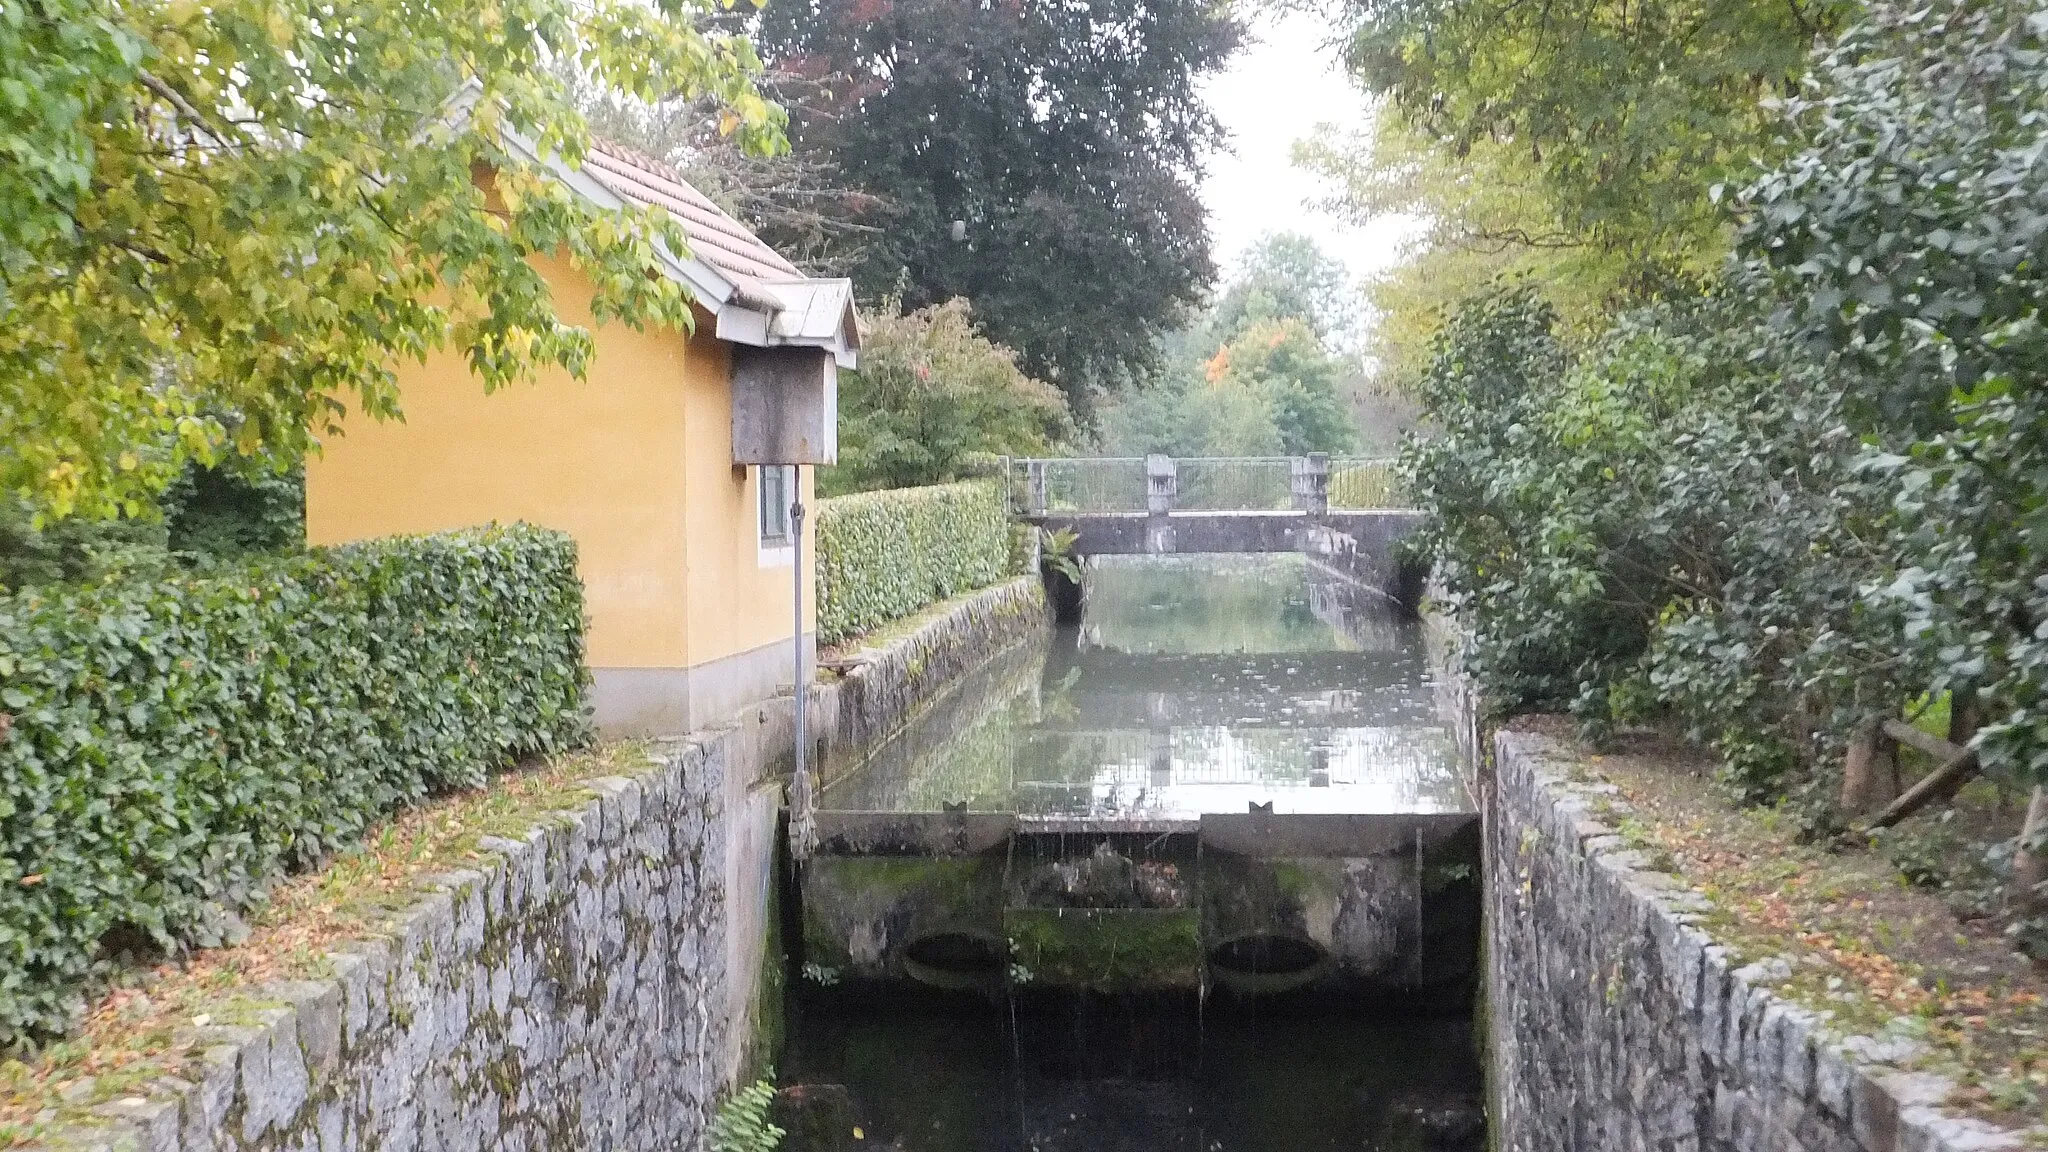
[1195, 684]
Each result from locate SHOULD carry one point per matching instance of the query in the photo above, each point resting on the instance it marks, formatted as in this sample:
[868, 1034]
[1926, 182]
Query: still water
[1144, 1078]
[1195, 684]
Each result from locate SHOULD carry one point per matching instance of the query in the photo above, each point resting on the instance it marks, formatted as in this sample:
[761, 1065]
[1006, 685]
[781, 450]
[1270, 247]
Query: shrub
[932, 394]
[168, 745]
[1673, 519]
[883, 555]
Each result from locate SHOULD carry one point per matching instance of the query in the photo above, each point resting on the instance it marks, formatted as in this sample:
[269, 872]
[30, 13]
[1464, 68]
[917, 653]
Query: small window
[777, 486]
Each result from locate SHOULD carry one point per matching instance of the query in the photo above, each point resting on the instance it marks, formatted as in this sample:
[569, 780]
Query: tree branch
[177, 100]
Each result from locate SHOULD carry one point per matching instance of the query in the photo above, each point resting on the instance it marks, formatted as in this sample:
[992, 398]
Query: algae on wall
[1107, 949]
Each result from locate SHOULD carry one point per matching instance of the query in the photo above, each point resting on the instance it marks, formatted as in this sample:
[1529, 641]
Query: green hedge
[167, 746]
[884, 555]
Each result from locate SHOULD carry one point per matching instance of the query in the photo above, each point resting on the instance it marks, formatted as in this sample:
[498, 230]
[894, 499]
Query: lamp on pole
[785, 414]
[803, 824]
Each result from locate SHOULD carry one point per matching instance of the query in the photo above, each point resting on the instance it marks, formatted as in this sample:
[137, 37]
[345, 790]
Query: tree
[1273, 390]
[1629, 111]
[1907, 238]
[1255, 375]
[931, 396]
[1286, 275]
[801, 201]
[1284, 362]
[226, 222]
[1485, 214]
[1184, 415]
[1064, 140]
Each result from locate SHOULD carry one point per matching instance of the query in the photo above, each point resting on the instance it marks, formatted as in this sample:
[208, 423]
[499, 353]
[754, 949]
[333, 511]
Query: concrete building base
[632, 702]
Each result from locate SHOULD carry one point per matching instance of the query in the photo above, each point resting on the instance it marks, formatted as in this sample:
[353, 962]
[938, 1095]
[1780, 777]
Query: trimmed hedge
[884, 555]
[168, 746]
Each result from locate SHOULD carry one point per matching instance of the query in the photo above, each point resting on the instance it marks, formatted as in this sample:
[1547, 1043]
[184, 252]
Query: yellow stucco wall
[634, 462]
[737, 604]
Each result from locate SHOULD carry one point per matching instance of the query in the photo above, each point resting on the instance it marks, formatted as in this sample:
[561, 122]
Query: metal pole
[803, 830]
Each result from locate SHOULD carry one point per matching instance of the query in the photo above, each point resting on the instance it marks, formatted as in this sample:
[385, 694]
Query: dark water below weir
[1195, 685]
[1151, 1076]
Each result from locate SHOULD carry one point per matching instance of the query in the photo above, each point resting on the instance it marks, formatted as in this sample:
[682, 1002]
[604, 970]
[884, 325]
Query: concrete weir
[1244, 904]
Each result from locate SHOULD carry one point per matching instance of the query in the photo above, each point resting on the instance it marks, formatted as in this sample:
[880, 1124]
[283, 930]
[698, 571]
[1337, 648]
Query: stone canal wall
[595, 984]
[1619, 1026]
[882, 687]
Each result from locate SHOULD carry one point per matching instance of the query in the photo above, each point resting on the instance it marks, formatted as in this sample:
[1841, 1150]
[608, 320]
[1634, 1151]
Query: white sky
[1282, 83]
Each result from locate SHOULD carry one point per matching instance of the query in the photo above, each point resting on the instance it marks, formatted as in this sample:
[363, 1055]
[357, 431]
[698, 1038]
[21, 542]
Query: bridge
[1345, 512]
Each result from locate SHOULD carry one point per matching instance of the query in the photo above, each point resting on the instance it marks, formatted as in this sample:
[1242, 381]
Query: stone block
[1797, 1052]
[1925, 1129]
[1874, 1115]
[274, 1081]
[153, 1121]
[316, 1009]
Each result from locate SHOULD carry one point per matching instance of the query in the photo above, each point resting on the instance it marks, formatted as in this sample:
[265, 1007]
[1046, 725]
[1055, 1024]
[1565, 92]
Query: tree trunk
[2030, 860]
[1962, 718]
[1870, 772]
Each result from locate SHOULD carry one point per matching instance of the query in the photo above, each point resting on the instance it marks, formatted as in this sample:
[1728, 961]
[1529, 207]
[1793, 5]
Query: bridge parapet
[1159, 484]
[1343, 512]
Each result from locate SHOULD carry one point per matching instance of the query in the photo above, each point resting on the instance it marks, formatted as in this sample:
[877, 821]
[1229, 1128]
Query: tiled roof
[715, 238]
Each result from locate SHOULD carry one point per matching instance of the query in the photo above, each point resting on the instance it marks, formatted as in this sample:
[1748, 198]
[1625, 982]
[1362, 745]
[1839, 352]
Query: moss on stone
[1107, 950]
[840, 891]
[769, 1016]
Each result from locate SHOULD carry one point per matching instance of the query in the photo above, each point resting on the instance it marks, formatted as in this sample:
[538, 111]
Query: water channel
[1136, 933]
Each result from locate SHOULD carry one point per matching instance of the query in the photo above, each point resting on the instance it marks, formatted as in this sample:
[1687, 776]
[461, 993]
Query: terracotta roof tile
[715, 238]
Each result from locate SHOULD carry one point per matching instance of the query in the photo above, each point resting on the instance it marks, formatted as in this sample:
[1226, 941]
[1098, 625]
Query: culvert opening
[1266, 954]
[954, 959]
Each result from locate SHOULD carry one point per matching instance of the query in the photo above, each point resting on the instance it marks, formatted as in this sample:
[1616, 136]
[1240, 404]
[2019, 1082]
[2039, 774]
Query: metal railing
[1132, 484]
[1364, 482]
[1078, 484]
[1235, 483]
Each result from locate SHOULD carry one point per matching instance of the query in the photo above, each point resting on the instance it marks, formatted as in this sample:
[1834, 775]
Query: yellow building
[685, 548]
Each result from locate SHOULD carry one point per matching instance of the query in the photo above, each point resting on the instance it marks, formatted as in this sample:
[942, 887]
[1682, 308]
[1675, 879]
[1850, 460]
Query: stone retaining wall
[1619, 1026]
[886, 686]
[592, 987]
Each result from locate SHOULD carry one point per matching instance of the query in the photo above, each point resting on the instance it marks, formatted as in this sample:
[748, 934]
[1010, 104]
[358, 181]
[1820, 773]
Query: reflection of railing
[1161, 484]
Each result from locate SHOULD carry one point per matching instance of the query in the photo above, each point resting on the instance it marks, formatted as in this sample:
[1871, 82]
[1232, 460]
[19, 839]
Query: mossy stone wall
[1619, 1025]
[596, 984]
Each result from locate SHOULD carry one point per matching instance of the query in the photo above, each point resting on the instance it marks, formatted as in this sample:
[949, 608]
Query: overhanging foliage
[222, 222]
[1816, 499]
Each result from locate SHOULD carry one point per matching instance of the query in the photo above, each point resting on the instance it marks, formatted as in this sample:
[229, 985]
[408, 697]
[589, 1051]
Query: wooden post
[1955, 766]
[2030, 859]
[1870, 771]
[1963, 719]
